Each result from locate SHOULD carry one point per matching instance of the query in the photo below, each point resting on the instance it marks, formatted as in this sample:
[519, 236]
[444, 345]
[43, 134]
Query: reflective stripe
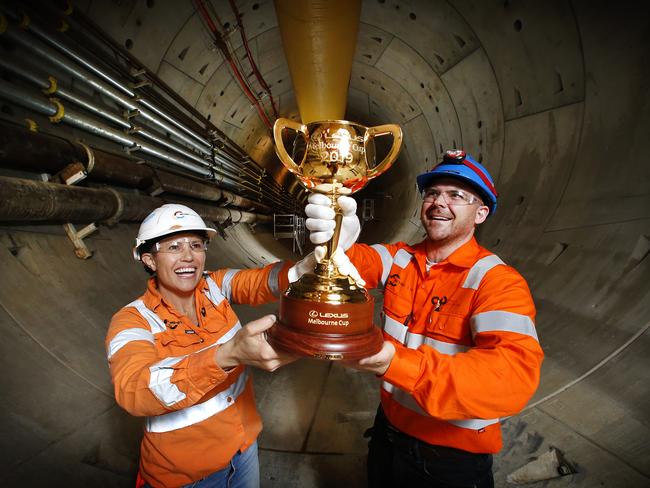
[416, 340]
[226, 283]
[474, 424]
[480, 268]
[503, 321]
[274, 279]
[395, 329]
[228, 335]
[122, 338]
[386, 261]
[213, 292]
[407, 401]
[199, 412]
[160, 381]
[402, 258]
[400, 332]
[155, 323]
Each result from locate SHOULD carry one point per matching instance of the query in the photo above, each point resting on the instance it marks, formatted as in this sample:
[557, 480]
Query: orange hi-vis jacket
[163, 367]
[467, 352]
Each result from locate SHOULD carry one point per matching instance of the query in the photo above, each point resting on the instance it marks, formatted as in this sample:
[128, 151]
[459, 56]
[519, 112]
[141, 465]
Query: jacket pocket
[178, 338]
[450, 328]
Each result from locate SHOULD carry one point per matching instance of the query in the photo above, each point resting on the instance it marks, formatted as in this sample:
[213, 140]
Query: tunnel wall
[552, 95]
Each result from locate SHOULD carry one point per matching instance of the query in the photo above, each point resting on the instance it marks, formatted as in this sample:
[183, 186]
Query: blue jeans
[243, 472]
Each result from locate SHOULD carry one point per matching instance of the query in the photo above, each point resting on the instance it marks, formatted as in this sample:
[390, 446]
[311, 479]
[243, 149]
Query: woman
[177, 356]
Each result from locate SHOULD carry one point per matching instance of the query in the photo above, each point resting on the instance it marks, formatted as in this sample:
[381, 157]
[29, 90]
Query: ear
[148, 259]
[481, 214]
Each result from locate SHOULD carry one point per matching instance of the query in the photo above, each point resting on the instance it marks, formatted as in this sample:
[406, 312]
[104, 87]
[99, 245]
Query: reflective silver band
[498, 320]
[395, 329]
[160, 381]
[155, 323]
[199, 412]
[400, 332]
[480, 269]
[407, 401]
[402, 258]
[226, 283]
[274, 279]
[386, 261]
[122, 338]
[213, 292]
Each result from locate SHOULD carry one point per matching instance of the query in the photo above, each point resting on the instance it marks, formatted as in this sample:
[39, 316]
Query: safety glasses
[178, 246]
[451, 197]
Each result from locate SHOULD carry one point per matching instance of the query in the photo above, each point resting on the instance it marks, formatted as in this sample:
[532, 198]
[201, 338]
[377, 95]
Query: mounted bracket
[74, 173]
[222, 226]
[77, 237]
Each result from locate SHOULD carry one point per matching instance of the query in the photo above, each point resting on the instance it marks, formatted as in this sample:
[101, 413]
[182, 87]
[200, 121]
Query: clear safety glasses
[451, 197]
[181, 245]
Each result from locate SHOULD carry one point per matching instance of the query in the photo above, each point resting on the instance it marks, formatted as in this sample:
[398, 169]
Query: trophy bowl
[327, 315]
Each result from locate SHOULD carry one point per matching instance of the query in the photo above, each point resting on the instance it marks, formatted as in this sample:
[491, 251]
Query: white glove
[305, 265]
[320, 221]
[345, 266]
[339, 258]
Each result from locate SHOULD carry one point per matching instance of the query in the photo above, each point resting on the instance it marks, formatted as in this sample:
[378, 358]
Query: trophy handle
[383, 130]
[278, 127]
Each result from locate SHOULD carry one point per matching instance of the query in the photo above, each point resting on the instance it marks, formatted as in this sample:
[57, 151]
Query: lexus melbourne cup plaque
[327, 315]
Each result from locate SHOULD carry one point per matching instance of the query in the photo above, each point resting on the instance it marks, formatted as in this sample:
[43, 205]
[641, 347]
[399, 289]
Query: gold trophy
[327, 315]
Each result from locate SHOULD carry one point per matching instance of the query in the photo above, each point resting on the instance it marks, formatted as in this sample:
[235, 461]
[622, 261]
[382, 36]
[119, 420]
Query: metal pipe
[34, 151]
[51, 55]
[38, 201]
[116, 96]
[101, 74]
[231, 171]
[22, 97]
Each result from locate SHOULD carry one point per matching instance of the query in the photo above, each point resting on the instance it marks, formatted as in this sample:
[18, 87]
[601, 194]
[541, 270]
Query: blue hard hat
[460, 166]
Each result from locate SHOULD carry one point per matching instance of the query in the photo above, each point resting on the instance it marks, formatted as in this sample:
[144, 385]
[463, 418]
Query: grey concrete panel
[181, 83]
[193, 52]
[432, 28]
[147, 27]
[535, 50]
[371, 43]
[400, 62]
[531, 434]
[477, 100]
[345, 411]
[611, 177]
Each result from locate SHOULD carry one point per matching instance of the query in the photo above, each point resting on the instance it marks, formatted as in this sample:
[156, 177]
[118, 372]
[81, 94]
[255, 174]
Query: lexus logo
[313, 313]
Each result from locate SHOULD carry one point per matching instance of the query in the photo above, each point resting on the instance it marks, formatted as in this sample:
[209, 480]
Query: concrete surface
[552, 96]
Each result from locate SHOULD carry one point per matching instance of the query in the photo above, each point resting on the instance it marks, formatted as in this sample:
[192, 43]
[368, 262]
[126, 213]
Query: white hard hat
[169, 219]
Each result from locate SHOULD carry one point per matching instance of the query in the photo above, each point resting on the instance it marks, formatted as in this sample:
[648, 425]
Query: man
[177, 356]
[460, 346]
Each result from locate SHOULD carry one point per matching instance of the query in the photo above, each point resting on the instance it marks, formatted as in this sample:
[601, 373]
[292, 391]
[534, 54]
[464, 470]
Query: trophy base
[334, 347]
[321, 330]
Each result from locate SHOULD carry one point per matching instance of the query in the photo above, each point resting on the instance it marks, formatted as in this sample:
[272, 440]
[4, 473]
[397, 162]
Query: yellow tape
[60, 111]
[69, 9]
[24, 21]
[3, 24]
[32, 126]
[53, 86]
[64, 26]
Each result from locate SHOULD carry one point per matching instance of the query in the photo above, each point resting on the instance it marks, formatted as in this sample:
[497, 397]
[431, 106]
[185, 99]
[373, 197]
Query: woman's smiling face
[177, 265]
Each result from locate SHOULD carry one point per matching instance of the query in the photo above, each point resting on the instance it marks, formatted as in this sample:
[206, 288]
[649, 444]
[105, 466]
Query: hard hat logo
[168, 219]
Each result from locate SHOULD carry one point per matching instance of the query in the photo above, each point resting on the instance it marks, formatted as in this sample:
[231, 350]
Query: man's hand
[249, 346]
[377, 363]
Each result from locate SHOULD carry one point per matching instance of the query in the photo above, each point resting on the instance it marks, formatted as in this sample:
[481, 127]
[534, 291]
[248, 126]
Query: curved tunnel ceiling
[551, 96]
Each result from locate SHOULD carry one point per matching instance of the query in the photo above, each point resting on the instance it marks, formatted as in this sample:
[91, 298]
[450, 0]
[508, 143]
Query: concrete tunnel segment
[552, 97]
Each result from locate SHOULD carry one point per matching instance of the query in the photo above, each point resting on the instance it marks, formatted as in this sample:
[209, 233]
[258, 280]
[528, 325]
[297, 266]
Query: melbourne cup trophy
[327, 315]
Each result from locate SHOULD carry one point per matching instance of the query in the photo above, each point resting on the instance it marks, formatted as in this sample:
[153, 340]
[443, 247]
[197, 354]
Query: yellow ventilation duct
[319, 38]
